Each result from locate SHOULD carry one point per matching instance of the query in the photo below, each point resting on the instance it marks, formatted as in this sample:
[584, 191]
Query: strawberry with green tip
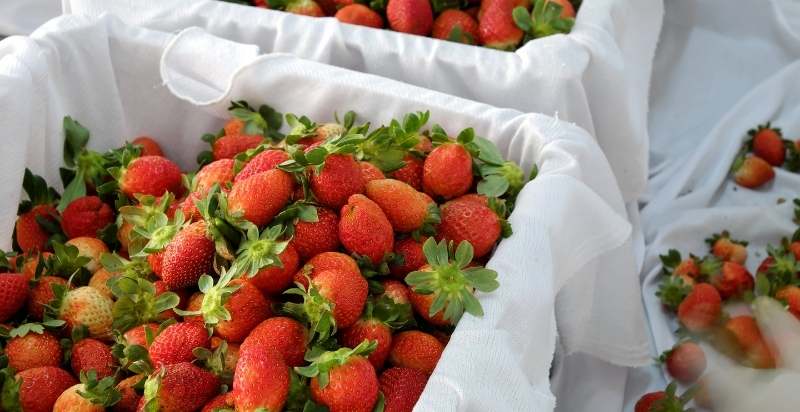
[228, 146]
[664, 401]
[42, 294]
[139, 302]
[547, 17]
[313, 238]
[148, 146]
[31, 346]
[407, 209]
[701, 309]
[768, 144]
[260, 197]
[85, 306]
[456, 25]
[37, 215]
[380, 317]
[727, 249]
[732, 280]
[166, 390]
[364, 229]
[149, 175]
[218, 172]
[92, 394]
[36, 389]
[752, 172]
[268, 262]
[496, 26]
[304, 8]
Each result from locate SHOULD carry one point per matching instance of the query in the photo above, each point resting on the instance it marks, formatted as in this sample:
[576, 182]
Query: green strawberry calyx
[65, 262]
[136, 267]
[259, 251]
[387, 146]
[9, 397]
[672, 402]
[265, 121]
[225, 228]
[544, 20]
[38, 328]
[215, 296]
[451, 281]
[323, 362]
[316, 310]
[137, 303]
[39, 193]
[134, 358]
[672, 291]
[151, 388]
[215, 361]
[159, 231]
[101, 392]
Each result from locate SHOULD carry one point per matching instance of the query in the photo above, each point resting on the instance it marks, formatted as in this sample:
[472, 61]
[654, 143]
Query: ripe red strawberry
[42, 294]
[791, 295]
[685, 362]
[364, 229]
[410, 16]
[732, 280]
[84, 216]
[688, 268]
[422, 306]
[138, 334]
[411, 172]
[273, 280]
[260, 197]
[30, 235]
[189, 206]
[148, 145]
[471, 221]
[340, 178]
[305, 8]
[768, 144]
[186, 257]
[129, 397]
[285, 335]
[415, 349]
[13, 294]
[344, 380]
[170, 391]
[326, 261]
[701, 309]
[346, 291]
[71, 401]
[91, 354]
[90, 247]
[753, 172]
[228, 146]
[261, 380]
[645, 403]
[221, 401]
[413, 257]
[406, 208]
[370, 329]
[727, 249]
[217, 172]
[175, 343]
[401, 388]
[757, 353]
[496, 27]
[266, 160]
[369, 171]
[361, 15]
[313, 238]
[456, 25]
[36, 390]
[33, 350]
[447, 171]
[150, 175]
[247, 308]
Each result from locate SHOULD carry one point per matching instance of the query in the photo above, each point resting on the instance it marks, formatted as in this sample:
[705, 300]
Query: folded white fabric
[597, 76]
[569, 224]
[24, 16]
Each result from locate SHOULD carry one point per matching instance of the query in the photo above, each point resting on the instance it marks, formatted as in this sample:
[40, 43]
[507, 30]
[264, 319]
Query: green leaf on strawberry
[101, 392]
[215, 361]
[315, 310]
[215, 296]
[672, 290]
[137, 303]
[258, 251]
[39, 193]
[323, 363]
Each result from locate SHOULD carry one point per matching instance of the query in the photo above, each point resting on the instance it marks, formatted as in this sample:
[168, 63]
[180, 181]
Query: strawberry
[465, 220]
[41, 294]
[71, 401]
[547, 17]
[732, 280]
[664, 401]
[339, 179]
[129, 399]
[447, 171]
[31, 262]
[91, 354]
[701, 309]
[407, 209]
[148, 146]
[228, 146]
[412, 254]
[30, 235]
[89, 247]
[496, 26]
[685, 362]
[261, 380]
[138, 334]
[33, 349]
[370, 329]
[285, 335]
[167, 389]
[217, 172]
[86, 306]
[13, 294]
[410, 16]
[646, 402]
[757, 353]
[36, 389]
[186, 257]
[422, 307]
[305, 8]
[455, 25]
[364, 229]
[85, 216]
[99, 281]
[260, 197]
[361, 15]
[266, 160]
[220, 402]
[150, 175]
[727, 249]
[768, 144]
[231, 353]
[370, 172]
[411, 172]
[396, 291]
[326, 261]
[415, 349]
[273, 280]
[401, 388]
[567, 10]
[752, 172]
[175, 343]
[188, 206]
[343, 380]
[234, 127]
[687, 268]
[791, 295]
[313, 238]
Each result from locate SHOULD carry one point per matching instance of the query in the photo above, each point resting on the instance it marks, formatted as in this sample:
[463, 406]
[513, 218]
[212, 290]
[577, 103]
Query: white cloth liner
[24, 16]
[597, 76]
[569, 226]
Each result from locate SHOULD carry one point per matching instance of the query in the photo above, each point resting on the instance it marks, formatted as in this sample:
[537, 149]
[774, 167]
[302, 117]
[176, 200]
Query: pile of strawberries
[764, 150]
[320, 270]
[709, 295]
[499, 24]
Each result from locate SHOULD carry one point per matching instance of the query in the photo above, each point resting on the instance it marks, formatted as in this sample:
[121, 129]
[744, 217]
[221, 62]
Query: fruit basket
[596, 76]
[568, 221]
